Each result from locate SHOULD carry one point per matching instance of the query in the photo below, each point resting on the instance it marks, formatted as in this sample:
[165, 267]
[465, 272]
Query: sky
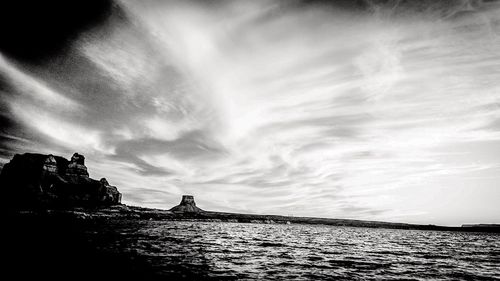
[375, 110]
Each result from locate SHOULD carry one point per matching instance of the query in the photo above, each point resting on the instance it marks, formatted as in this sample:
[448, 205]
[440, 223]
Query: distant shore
[53, 187]
[140, 213]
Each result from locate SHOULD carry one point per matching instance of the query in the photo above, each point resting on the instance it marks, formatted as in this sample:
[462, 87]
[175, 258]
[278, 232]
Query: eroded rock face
[76, 171]
[187, 205]
[110, 193]
[50, 165]
[37, 180]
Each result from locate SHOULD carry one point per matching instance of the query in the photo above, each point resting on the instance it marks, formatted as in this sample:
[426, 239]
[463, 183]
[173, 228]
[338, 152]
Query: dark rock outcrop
[76, 170]
[44, 181]
[187, 205]
[110, 194]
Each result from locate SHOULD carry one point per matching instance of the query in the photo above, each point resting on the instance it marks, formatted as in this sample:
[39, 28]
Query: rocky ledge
[31, 181]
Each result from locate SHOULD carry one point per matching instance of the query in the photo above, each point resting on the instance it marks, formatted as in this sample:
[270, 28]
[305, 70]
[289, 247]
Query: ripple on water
[284, 252]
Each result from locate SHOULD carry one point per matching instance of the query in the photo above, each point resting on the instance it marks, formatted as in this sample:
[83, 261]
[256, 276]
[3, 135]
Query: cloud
[50, 26]
[33, 89]
[305, 108]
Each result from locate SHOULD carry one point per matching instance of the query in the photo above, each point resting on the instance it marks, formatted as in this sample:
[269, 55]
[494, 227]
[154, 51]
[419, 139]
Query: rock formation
[37, 181]
[76, 171]
[187, 205]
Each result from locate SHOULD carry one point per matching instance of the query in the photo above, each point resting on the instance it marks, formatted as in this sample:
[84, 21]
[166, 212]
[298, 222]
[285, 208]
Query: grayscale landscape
[250, 140]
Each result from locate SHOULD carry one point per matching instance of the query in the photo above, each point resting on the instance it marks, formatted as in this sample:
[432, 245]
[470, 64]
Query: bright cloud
[277, 107]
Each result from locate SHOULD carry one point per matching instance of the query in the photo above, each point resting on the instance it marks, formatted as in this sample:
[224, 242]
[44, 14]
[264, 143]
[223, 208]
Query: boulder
[187, 205]
[42, 181]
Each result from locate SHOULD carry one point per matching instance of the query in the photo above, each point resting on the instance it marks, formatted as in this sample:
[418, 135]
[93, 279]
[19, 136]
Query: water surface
[207, 250]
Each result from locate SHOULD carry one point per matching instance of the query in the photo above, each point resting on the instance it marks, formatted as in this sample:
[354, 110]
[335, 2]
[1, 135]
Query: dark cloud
[191, 145]
[35, 31]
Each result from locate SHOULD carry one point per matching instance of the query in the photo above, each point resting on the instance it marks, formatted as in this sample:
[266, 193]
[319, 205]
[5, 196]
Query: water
[199, 250]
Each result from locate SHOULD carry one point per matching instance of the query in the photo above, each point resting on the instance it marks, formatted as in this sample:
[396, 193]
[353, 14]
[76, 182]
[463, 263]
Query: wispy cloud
[278, 107]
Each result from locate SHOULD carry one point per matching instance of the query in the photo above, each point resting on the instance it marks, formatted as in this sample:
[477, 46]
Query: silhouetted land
[140, 213]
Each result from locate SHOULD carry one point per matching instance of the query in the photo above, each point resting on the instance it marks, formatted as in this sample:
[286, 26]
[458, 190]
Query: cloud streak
[279, 107]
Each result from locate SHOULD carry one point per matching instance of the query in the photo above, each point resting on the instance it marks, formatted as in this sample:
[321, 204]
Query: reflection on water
[260, 251]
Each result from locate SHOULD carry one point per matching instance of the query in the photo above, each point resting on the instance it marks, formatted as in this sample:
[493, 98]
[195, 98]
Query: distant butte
[187, 205]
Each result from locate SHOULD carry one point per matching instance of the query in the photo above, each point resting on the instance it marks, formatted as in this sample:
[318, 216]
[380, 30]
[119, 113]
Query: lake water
[199, 250]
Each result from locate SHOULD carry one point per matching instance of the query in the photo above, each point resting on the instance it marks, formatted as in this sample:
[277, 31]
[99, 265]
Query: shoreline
[141, 213]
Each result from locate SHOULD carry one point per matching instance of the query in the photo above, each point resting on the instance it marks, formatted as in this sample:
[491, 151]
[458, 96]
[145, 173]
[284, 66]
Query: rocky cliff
[41, 181]
[187, 205]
